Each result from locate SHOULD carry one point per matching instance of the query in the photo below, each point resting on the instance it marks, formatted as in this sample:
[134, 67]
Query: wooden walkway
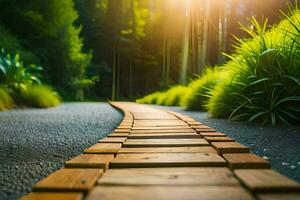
[161, 155]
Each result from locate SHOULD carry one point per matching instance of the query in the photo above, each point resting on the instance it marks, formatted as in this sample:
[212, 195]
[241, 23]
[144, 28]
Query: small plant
[40, 96]
[14, 74]
[6, 102]
[171, 97]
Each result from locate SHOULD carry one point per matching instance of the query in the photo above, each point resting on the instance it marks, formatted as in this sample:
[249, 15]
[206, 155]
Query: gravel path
[281, 145]
[36, 142]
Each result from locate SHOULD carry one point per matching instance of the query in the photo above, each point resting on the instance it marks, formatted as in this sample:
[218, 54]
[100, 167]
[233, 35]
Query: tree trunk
[185, 46]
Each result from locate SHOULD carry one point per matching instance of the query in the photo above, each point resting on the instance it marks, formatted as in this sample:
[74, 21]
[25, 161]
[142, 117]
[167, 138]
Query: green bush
[6, 102]
[200, 88]
[40, 96]
[171, 97]
[13, 73]
[264, 85]
[174, 96]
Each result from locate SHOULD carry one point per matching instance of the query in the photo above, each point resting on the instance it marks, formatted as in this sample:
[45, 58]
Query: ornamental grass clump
[6, 102]
[40, 96]
[175, 95]
[170, 97]
[264, 85]
[149, 99]
[199, 89]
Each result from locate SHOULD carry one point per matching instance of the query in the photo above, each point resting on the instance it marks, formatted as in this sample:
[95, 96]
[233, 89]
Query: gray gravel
[36, 142]
[280, 144]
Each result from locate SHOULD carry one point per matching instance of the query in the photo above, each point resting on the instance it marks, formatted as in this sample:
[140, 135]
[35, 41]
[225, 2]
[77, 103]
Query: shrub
[265, 81]
[6, 101]
[174, 96]
[201, 87]
[171, 97]
[40, 96]
[14, 74]
[149, 99]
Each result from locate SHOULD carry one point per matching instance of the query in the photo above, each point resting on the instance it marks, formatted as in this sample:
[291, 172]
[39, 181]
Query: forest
[121, 49]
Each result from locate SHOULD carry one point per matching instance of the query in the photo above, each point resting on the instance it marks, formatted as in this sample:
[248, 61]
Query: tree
[48, 27]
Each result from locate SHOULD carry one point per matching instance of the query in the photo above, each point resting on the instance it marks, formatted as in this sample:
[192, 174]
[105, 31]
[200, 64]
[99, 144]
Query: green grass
[171, 97]
[149, 99]
[200, 88]
[174, 96]
[264, 85]
[39, 96]
[6, 102]
[259, 83]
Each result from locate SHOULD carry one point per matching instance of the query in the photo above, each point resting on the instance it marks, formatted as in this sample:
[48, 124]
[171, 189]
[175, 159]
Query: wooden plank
[199, 126]
[161, 128]
[168, 160]
[164, 142]
[124, 127]
[104, 148]
[230, 147]
[266, 180]
[113, 140]
[281, 196]
[245, 160]
[169, 176]
[169, 193]
[70, 180]
[212, 134]
[53, 196]
[176, 122]
[204, 149]
[154, 121]
[118, 135]
[163, 135]
[90, 161]
[194, 123]
[201, 130]
[159, 121]
[163, 131]
[122, 130]
[219, 139]
[154, 117]
[126, 122]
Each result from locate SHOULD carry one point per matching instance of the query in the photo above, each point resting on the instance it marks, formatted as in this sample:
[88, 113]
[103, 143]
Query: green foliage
[201, 87]
[14, 74]
[55, 20]
[150, 98]
[260, 83]
[171, 97]
[40, 96]
[174, 96]
[49, 28]
[12, 45]
[6, 102]
[265, 81]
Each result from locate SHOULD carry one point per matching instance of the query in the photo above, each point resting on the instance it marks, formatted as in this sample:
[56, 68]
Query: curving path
[36, 142]
[155, 154]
